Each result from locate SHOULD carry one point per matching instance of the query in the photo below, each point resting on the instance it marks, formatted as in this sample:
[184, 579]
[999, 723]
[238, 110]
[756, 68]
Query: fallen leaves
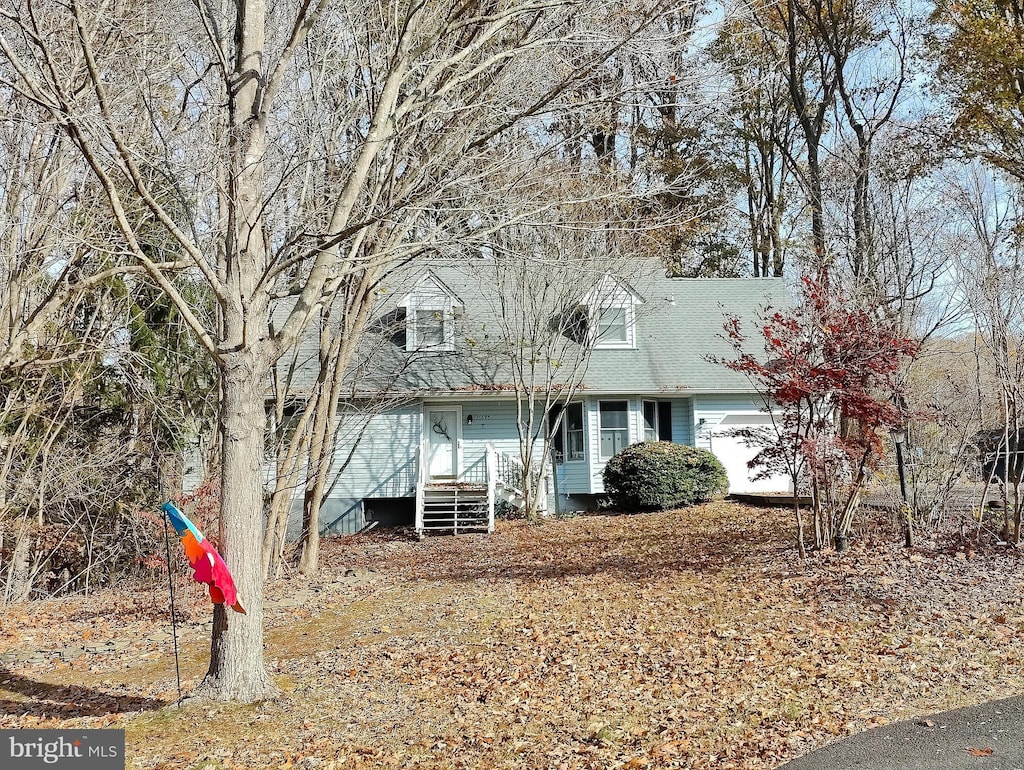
[689, 639]
[979, 752]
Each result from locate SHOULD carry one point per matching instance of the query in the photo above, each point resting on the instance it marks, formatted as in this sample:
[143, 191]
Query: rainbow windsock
[207, 564]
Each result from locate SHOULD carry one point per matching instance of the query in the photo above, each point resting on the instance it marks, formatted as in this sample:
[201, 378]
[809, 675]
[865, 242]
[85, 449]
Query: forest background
[174, 172]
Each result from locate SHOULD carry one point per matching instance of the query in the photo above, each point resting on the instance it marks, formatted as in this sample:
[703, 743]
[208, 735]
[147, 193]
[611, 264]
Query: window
[657, 420]
[429, 329]
[568, 441]
[611, 326]
[651, 421]
[610, 309]
[430, 312]
[614, 418]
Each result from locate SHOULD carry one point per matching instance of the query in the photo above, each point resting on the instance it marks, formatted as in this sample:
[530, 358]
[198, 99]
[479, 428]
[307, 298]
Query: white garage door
[735, 455]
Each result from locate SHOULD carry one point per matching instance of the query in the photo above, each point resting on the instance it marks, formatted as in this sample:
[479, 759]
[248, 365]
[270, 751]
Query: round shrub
[653, 475]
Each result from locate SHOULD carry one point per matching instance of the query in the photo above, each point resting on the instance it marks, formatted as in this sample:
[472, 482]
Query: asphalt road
[989, 736]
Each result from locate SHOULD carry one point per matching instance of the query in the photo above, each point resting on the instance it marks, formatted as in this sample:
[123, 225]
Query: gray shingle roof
[678, 326]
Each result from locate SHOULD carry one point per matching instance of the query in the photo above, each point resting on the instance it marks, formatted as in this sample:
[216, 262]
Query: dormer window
[429, 329]
[611, 307]
[613, 327]
[430, 310]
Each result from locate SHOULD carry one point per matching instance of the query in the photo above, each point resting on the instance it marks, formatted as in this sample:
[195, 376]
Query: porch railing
[499, 472]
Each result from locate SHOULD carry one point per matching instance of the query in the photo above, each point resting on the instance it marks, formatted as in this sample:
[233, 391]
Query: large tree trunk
[236, 670]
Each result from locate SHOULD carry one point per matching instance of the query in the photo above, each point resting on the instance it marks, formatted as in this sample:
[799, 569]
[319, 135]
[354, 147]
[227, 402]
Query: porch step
[455, 508]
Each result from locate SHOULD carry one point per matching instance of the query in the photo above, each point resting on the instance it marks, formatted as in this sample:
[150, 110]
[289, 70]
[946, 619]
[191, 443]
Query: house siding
[494, 423]
[682, 421]
[384, 464]
[574, 477]
[714, 408]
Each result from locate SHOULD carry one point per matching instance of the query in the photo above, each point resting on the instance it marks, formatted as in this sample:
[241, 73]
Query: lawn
[691, 639]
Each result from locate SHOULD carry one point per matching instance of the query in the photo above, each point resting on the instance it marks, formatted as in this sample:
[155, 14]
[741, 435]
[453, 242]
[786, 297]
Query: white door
[442, 434]
[735, 454]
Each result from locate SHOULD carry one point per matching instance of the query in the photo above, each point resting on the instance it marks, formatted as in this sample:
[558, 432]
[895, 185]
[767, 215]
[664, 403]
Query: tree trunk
[19, 573]
[237, 671]
[801, 548]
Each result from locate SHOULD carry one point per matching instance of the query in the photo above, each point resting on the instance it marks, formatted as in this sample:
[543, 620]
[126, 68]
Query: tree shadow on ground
[64, 701]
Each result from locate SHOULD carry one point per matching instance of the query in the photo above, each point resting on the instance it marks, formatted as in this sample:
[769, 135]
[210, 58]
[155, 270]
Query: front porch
[466, 502]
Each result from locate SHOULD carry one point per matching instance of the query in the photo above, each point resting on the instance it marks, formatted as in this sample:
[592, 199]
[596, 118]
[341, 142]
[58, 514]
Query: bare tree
[991, 268]
[288, 135]
[550, 279]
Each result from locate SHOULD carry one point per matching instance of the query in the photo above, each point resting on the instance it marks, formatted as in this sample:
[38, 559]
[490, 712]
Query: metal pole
[174, 617]
[909, 531]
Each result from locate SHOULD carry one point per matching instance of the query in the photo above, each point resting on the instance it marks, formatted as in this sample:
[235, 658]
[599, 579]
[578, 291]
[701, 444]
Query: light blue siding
[574, 477]
[338, 516]
[682, 421]
[384, 462]
[494, 423]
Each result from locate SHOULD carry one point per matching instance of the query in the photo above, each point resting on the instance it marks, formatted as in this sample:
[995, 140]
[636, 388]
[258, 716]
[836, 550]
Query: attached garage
[735, 454]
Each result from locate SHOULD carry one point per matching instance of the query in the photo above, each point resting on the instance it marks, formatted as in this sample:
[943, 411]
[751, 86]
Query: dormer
[611, 312]
[430, 312]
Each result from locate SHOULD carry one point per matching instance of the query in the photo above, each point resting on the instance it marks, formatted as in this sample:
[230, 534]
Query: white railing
[504, 478]
[490, 465]
[509, 478]
[420, 483]
[509, 472]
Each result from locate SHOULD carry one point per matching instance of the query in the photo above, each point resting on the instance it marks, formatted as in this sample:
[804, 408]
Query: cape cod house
[442, 455]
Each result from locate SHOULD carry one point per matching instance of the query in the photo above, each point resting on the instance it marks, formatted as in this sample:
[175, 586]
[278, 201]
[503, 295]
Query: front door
[442, 434]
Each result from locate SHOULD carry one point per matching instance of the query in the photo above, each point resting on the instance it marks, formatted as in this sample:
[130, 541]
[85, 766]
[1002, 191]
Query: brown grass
[689, 638]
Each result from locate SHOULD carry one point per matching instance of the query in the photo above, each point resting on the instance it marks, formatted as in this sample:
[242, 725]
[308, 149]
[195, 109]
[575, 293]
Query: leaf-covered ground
[691, 639]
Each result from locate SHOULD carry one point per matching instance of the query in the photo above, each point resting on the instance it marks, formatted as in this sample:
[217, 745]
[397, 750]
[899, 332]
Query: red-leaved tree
[830, 376]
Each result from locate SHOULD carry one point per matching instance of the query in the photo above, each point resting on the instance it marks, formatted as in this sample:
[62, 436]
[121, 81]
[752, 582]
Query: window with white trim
[614, 427]
[651, 432]
[429, 330]
[657, 420]
[430, 312]
[613, 325]
[568, 441]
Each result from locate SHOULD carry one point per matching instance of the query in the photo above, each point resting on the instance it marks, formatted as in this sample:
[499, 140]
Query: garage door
[735, 455]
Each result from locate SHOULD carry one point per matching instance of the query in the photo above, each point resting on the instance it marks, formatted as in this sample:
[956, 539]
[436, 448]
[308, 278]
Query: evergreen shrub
[654, 475]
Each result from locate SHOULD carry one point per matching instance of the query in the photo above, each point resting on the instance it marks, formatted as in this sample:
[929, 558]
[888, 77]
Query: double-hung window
[612, 327]
[614, 425]
[428, 330]
[568, 441]
[430, 312]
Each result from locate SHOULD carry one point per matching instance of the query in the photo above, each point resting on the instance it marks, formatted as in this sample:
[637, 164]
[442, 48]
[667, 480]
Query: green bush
[654, 475]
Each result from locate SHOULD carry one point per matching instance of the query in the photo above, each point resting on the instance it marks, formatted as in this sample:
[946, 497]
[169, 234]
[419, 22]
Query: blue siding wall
[574, 477]
[385, 461]
[383, 464]
[682, 421]
[494, 422]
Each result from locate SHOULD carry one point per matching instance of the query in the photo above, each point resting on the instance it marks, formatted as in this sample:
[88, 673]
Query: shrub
[653, 475]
